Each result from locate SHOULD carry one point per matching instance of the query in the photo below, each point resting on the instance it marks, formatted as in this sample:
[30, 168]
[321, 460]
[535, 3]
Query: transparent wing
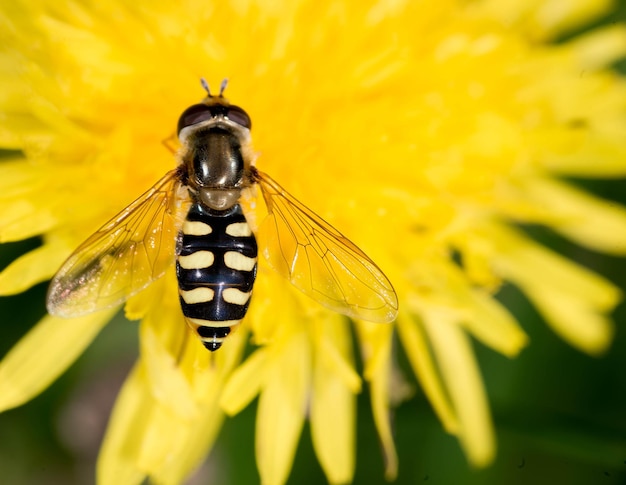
[321, 262]
[125, 255]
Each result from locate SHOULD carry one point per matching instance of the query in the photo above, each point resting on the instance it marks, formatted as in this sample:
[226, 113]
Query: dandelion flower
[425, 132]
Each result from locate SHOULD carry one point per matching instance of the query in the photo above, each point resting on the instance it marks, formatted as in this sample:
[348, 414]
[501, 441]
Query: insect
[193, 216]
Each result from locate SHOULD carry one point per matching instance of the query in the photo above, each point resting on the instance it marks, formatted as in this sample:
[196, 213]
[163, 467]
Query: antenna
[223, 85]
[205, 85]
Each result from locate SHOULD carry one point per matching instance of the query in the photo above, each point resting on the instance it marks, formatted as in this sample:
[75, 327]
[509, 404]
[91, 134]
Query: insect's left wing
[125, 255]
[319, 260]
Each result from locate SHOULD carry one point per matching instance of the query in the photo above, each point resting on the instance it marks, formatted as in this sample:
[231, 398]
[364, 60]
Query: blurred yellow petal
[376, 349]
[45, 353]
[281, 409]
[421, 359]
[459, 369]
[117, 462]
[597, 146]
[588, 220]
[138, 306]
[601, 48]
[266, 322]
[520, 260]
[545, 19]
[570, 297]
[19, 177]
[493, 325]
[582, 326]
[485, 318]
[167, 324]
[333, 355]
[156, 452]
[333, 405]
[23, 219]
[245, 383]
[164, 377]
[200, 434]
[33, 267]
[146, 438]
[192, 449]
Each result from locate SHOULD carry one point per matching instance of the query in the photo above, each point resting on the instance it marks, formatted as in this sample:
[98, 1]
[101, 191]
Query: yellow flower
[424, 131]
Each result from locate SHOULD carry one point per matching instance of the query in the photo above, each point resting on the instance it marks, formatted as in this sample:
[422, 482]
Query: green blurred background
[560, 415]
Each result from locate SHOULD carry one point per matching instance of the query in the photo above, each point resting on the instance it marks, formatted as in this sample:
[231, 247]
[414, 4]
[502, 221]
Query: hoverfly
[193, 216]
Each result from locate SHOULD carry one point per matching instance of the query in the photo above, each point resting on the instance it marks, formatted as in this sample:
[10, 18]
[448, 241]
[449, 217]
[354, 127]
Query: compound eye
[194, 114]
[239, 116]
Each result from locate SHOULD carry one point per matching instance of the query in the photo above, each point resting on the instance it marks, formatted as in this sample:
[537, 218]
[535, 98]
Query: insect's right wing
[124, 256]
[320, 261]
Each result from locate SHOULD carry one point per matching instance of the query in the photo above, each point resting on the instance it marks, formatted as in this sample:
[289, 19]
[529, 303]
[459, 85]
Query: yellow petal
[265, 322]
[333, 410]
[339, 363]
[376, 349]
[544, 19]
[162, 438]
[208, 380]
[460, 372]
[493, 325]
[421, 360]
[19, 178]
[166, 320]
[45, 353]
[33, 267]
[599, 48]
[281, 409]
[599, 146]
[583, 327]
[476, 309]
[521, 260]
[195, 438]
[588, 220]
[163, 290]
[570, 297]
[379, 390]
[146, 438]
[170, 431]
[192, 447]
[22, 219]
[333, 405]
[245, 383]
[117, 461]
[164, 377]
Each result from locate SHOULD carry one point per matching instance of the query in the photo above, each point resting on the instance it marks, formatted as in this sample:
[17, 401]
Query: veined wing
[124, 256]
[319, 260]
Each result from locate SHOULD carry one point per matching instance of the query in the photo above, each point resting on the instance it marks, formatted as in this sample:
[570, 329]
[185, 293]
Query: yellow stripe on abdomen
[197, 260]
[197, 295]
[196, 228]
[238, 261]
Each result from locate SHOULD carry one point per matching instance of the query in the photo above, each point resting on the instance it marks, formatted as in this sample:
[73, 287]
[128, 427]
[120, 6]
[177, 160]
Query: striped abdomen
[216, 268]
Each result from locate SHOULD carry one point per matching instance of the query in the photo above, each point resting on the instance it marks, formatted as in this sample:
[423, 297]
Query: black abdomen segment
[216, 269]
